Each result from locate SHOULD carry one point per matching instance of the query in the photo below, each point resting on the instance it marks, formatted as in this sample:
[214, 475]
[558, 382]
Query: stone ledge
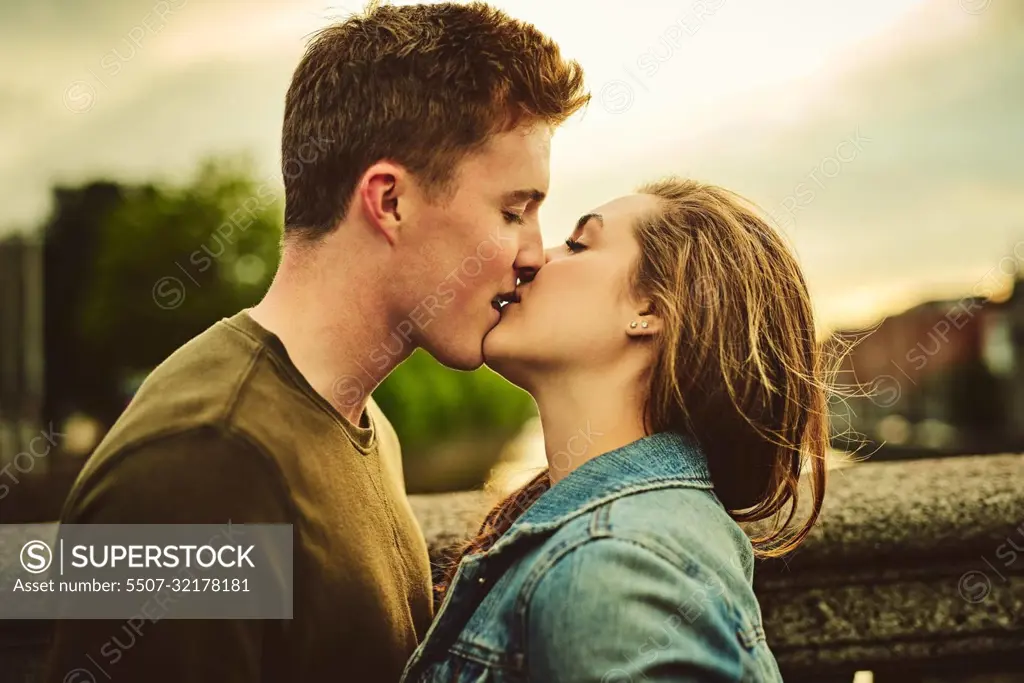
[448, 518]
[947, 507]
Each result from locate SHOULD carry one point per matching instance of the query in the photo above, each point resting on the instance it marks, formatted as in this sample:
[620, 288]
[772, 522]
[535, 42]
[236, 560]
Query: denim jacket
[627, 570]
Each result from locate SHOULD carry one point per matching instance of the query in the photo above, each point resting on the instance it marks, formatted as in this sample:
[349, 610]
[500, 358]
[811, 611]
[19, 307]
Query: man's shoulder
[197, 402]
[192, 387]
[196, 475]
[222, 379]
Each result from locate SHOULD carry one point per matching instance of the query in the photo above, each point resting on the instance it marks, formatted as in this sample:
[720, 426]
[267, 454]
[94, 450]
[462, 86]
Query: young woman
[670, 347]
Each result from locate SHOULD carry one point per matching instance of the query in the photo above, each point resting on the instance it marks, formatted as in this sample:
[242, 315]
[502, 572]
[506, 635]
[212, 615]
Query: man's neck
[342, 344]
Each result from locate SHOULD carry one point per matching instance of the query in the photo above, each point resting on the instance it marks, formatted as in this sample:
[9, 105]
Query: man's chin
[463, 355]
[462, 361]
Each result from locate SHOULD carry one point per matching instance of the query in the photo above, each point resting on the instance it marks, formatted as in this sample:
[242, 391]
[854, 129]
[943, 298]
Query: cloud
[932, 198]
[931, 201]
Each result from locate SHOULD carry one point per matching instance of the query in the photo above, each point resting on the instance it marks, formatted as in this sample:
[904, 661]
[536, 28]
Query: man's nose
[531, 257]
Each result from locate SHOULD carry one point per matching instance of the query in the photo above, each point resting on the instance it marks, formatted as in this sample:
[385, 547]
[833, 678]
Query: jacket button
[481, 580]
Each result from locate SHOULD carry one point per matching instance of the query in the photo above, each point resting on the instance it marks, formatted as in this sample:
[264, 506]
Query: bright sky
[884, 136]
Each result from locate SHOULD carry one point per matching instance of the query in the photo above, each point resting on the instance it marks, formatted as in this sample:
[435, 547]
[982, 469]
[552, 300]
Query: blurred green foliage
[169, 261]
[428, 403]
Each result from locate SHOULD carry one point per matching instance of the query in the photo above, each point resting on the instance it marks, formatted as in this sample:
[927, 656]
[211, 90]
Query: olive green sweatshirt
[228, 429]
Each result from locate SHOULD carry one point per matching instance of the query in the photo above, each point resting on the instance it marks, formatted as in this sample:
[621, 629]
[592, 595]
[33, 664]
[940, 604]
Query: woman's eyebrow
[585, 218]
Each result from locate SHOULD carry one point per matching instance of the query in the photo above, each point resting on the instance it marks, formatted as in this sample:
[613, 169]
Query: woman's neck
[583, 417]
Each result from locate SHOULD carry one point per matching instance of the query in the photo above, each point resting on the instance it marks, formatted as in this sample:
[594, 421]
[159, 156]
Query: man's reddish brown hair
[419, 85]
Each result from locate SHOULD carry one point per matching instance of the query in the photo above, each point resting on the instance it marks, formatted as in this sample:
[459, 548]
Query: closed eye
[512, 217]
[574, 246]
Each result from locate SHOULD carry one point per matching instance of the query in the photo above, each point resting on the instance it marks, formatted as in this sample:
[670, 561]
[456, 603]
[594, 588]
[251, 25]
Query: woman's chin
[502, 350]
[495, 347]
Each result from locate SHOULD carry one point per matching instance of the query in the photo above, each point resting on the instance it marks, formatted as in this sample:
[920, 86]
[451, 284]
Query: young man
[415, 147]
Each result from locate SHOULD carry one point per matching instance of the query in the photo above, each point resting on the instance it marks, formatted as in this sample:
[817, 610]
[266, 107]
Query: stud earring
[632, 325]
[643, 324]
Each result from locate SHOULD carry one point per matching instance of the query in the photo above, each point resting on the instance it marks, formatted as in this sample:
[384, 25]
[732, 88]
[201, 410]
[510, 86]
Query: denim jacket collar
[657, 461]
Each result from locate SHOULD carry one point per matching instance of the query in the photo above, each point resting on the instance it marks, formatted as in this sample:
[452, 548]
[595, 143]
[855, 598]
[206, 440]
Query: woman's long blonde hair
[737, 368]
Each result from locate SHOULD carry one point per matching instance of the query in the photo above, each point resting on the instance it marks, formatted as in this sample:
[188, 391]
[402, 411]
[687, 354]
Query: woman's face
[575, 313]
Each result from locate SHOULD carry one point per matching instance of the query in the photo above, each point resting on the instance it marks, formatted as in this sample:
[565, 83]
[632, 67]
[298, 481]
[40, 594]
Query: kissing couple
[674, 320]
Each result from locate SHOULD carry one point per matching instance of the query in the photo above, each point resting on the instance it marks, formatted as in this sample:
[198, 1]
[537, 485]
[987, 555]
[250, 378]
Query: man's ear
[381, 195]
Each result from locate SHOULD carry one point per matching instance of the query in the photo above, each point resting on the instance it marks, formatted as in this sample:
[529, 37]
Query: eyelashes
[574, 246]
[512, 217]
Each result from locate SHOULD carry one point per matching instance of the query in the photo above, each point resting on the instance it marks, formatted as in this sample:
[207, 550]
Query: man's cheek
[501, 245]
[458, 289]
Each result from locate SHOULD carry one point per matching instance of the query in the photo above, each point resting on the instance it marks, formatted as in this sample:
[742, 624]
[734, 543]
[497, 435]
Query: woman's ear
[644, 323]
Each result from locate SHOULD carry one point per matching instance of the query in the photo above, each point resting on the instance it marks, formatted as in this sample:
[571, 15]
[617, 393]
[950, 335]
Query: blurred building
[75, 379]
[21, 345]
[44, 377]
[943, 376]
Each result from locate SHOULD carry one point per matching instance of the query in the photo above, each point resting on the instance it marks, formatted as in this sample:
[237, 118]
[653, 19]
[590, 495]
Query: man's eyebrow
[585, 218]
[517, 196]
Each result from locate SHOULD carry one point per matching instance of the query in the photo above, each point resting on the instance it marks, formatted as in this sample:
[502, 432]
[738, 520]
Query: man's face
[466, 250]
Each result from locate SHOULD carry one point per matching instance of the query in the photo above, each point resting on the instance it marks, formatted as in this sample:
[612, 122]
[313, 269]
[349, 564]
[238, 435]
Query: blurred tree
[435, 402]
[170, 261]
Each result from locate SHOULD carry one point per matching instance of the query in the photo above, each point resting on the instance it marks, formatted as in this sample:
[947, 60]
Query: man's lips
[504, 299]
